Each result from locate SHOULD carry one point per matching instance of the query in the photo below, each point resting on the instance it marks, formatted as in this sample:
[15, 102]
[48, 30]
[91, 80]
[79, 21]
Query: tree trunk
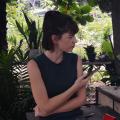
[116, 30]
[3, 29]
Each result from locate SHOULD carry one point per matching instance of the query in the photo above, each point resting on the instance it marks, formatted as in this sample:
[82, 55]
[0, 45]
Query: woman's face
[66, 42]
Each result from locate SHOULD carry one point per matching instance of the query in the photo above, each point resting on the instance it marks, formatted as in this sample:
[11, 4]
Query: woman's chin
[70, 50]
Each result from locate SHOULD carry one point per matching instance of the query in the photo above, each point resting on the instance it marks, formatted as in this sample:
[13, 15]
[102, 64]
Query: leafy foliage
[13, 92]
[106, 46]
[90, 51]
[11, 1]
[108, 55]
[93, 32]
[80, 12]
[8, 78]
[34, 36]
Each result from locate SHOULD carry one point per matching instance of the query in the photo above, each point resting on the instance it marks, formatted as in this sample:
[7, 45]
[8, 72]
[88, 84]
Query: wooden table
[99, 112]
[109, 96]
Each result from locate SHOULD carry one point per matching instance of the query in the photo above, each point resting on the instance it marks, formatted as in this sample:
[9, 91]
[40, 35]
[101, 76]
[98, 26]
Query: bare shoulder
[31, 64]
[34, 71]
[32, 67]
[79, 58]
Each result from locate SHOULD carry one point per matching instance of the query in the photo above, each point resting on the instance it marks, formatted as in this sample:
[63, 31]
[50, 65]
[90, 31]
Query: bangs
[71, 27]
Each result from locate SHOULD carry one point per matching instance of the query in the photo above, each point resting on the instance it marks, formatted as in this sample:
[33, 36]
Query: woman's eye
[71, 36]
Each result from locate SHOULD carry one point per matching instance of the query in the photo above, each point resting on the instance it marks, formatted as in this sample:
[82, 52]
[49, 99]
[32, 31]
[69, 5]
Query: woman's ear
[55, 39]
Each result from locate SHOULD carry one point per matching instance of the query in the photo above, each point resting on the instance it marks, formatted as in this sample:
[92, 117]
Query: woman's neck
[55, 56]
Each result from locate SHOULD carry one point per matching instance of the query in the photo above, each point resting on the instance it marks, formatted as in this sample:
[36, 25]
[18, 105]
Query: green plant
[8, 81]
[90, 51]
[15, 93]
[8, 78]
[109, 55]
[110, 75]
[107, 49]
[80, 11]
[34, 36]
[106, 45]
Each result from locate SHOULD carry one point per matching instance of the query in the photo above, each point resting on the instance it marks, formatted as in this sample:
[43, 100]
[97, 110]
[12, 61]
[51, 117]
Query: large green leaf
[28, 20]
[76, 9]
[85, 9]
[88, 18]
[21, 29]
[33, 35]
[34, 32]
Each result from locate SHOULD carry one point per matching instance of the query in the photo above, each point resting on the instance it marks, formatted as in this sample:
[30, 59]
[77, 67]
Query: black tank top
[58, 77]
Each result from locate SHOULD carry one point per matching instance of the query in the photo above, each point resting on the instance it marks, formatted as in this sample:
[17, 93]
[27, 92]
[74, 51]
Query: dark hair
[56, 23]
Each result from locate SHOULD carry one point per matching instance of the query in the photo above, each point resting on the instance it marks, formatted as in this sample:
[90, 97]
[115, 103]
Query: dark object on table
[90, 51]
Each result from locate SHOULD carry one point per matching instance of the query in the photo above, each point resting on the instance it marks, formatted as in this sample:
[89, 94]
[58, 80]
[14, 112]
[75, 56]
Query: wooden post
[116, 30]
[3, 29]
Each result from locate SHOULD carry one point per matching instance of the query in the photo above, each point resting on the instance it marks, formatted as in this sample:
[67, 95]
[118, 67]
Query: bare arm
[45, 104]
[73, 103]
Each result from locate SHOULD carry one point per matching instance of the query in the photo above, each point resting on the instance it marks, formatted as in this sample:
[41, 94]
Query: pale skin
[60, 103]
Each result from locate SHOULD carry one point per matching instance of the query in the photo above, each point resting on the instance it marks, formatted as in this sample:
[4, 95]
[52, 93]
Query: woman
[56, 76]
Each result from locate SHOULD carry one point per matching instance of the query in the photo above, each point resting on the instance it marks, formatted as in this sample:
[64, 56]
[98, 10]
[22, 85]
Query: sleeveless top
[58, 78]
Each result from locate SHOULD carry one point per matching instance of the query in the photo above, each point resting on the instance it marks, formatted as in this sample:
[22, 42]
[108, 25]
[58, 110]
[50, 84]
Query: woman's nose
[75, 40]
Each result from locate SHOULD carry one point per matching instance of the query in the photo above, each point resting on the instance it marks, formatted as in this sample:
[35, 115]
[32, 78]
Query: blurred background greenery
[91, 31]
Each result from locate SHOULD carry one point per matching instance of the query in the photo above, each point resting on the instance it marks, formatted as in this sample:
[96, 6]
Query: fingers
[82, 77]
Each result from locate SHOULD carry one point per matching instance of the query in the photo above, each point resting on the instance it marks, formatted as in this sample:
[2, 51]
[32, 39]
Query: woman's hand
[81, 82]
